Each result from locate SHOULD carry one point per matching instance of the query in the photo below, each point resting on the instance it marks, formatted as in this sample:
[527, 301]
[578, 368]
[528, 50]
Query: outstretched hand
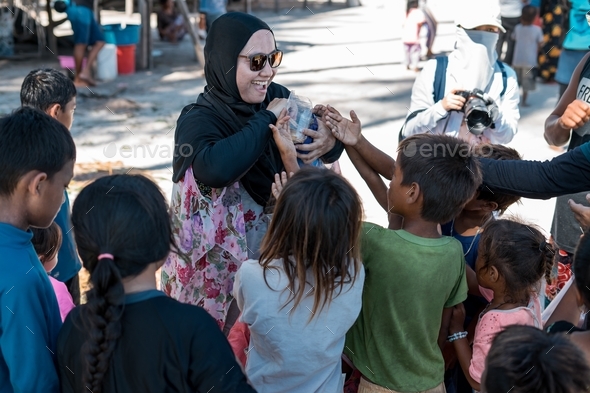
[581, 213]
[282, 135]
[279, 183]
[346, 131]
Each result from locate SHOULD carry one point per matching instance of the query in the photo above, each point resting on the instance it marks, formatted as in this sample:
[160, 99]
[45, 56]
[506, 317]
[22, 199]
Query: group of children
[332, 304]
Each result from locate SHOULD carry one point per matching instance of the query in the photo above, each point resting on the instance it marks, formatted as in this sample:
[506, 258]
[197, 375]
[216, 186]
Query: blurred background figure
[431, 26]
[510, 12]
[209, 11]
[415, 19]
[170, 22]
[554, 24]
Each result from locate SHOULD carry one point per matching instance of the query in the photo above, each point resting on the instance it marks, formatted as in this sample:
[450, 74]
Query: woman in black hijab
[225, 160]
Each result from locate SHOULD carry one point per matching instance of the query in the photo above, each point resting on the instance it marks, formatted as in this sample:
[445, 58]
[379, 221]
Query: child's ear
[36, 182]
[493, 273]
[413, 194]
[53, 110]
[489, 206]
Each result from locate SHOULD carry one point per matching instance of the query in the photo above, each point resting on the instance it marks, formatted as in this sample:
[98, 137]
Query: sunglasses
[258, 62]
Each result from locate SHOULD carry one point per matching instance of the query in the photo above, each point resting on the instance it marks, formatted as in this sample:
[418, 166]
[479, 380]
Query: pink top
[493, 322]
[64, 299]
[411, 30]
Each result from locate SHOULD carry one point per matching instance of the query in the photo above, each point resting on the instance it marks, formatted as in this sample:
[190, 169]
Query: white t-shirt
[286, 353]
[511, 8]
[526, 48]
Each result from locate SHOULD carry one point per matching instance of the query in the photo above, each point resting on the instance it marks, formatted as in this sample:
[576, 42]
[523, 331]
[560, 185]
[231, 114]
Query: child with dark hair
[414, 276]
[37, 156]
[47, 242]
[170, 22]
[54, 93]
[513, 257]
[467, 226]
[528, 39]
[524, 359]
[307, 286]
[129, 335]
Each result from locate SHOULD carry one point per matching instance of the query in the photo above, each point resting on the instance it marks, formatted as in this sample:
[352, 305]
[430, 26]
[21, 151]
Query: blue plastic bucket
[120, 34]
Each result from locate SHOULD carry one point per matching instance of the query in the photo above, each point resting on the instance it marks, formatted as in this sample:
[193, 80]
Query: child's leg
[524, 96]
[407, 58]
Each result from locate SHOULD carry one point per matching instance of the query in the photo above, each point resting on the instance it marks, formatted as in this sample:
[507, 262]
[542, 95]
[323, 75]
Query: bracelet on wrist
[456, 336]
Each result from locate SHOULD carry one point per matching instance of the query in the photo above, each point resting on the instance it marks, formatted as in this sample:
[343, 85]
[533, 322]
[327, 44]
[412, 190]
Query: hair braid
[548, 259]
[101, 317]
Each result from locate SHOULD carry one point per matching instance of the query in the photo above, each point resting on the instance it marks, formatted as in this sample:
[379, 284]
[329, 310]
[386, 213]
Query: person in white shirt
[305, 292]
[471, 65]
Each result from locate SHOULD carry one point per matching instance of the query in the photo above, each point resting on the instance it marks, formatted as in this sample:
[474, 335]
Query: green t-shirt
[408, 282]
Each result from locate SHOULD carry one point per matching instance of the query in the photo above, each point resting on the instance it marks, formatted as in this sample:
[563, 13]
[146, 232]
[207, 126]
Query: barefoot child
[304, 293]
[513, 257]
[129, 334]
[37, 156]
[47, 242]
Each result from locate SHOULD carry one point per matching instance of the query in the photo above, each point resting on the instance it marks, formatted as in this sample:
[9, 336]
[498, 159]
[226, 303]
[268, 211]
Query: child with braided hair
[129, 336]
[513, 258]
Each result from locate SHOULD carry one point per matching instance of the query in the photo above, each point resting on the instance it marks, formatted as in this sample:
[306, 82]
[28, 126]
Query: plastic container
[299, 109]
[121, 34]
[106, 63]
[125, 59]
[69, 63]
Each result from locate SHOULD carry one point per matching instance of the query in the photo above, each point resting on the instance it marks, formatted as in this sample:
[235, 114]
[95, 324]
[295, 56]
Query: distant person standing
[510, 11]
[431, 25]
[411, 35]
[87, 33]
[575, 44]
[170, 22]
[554, 24]
[528, 39]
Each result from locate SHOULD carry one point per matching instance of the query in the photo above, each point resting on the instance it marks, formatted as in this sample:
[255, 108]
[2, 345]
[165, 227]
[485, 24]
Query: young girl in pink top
[411, 34]
[512, 259]
[47, 242]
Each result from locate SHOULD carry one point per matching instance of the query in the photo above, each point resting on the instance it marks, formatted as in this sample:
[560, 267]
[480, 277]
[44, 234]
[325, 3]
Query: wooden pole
[51, 40]
[200, 57]
[129, 7]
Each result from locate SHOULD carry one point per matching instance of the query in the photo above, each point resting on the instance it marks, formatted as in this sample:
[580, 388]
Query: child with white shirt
[304, 293]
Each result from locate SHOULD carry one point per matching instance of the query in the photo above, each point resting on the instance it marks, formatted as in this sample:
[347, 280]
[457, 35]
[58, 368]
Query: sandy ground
[349, 58]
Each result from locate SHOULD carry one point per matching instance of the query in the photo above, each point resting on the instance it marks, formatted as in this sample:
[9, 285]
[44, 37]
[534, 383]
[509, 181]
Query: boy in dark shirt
[37, 156]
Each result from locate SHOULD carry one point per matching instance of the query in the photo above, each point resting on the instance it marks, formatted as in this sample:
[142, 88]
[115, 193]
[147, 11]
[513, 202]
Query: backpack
[440, 81]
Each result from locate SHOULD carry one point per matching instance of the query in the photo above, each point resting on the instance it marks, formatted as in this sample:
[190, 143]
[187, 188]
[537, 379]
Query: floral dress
[215, 229]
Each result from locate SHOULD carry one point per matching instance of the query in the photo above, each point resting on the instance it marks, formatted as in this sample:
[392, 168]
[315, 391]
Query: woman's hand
[458, 319]
[277, 105]
[346, 131]
[453, 101]
[279, 183]
[576, 115]
[582, 213]
[323, 142]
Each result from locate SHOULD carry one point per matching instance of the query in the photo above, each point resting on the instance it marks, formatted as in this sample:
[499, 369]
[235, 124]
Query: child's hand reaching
[458, 319]
[279, 183]
[282, 135]
[346, 131]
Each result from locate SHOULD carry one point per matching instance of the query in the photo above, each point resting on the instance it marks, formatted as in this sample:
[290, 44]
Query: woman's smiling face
[253, 85]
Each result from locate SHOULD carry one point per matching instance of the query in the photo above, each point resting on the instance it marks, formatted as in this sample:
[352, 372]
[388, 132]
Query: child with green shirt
[414, 276]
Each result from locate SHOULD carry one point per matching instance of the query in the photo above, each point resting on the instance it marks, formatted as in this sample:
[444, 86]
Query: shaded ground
[349, 58]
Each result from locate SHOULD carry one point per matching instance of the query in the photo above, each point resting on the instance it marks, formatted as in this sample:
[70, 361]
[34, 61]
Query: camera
[477, 113]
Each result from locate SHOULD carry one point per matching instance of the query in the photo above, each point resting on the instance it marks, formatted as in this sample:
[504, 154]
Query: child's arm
[461, 345]
[444, 326]
[349, 133]
[282, 138]
[372, 178]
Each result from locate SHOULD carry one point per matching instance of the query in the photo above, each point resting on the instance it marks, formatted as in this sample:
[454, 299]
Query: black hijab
[221, 102]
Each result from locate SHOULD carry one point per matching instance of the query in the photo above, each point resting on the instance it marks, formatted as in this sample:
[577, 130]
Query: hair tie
[106, 255]
[543, 245]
